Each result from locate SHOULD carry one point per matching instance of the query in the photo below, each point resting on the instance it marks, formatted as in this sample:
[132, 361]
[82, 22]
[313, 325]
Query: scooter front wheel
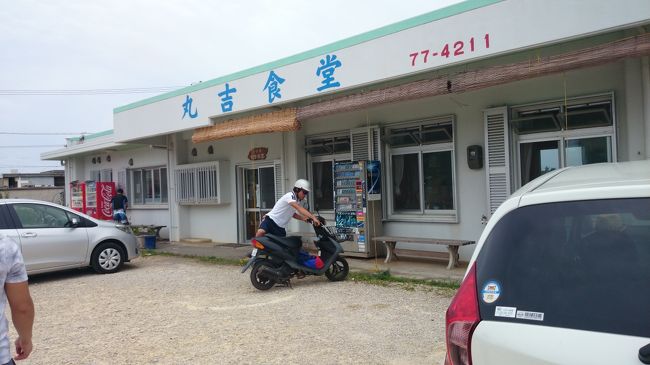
[258, 279]
[339, 269]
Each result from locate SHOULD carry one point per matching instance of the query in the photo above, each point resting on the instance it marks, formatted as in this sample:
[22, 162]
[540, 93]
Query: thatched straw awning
[280, 121]
[465, 81]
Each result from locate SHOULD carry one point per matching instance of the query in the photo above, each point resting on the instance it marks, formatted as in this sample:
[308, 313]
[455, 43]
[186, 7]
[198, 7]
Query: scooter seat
[289, 241]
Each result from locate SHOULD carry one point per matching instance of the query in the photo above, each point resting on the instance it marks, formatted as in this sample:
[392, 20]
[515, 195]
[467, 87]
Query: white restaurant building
[462, 106]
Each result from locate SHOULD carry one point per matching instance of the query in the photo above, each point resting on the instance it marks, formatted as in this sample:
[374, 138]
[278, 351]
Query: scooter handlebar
[313, 223]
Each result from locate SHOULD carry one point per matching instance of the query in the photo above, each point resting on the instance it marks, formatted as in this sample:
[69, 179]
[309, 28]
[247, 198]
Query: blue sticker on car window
[491, 292]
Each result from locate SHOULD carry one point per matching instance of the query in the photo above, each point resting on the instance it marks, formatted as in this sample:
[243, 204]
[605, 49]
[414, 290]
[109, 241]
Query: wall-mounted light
[62, 162]
[94, 161]
[210, 150]
[108, 158]
[194, 152]
[130, 162]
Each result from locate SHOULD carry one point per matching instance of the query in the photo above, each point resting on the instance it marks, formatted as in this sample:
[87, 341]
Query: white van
[561, 274]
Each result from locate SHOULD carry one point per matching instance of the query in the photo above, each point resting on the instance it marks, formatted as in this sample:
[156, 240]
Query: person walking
[120, 203]
[15, 291]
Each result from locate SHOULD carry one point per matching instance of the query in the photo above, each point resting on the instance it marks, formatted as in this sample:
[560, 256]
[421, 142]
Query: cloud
[75, 44]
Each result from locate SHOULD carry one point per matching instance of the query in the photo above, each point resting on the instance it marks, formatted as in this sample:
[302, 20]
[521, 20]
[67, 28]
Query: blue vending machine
[357, 207]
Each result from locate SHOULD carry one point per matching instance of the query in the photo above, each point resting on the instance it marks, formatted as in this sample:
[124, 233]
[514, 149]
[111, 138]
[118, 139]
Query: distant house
[34, 180]
[46, 185]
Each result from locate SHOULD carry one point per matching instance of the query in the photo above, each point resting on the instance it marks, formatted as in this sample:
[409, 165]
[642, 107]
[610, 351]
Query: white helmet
[302, 184]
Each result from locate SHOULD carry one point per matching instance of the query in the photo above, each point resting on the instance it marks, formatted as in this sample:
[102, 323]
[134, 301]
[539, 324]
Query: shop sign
[258, 153]
[460, 34]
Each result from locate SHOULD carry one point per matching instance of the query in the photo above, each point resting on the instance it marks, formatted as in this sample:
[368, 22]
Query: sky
[66, 64]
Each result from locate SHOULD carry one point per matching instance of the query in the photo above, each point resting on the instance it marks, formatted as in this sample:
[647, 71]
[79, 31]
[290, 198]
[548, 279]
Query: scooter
[274, 259]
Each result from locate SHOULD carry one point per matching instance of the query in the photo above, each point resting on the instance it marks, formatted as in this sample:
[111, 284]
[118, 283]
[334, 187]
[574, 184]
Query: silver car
[53, 237]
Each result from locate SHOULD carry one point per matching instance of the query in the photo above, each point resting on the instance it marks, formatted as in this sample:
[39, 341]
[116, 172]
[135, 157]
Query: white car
[561, 274]
[53, 237]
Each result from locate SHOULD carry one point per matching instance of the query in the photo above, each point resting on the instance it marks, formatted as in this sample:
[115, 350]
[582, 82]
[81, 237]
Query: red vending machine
[97, 202]
[77, 198]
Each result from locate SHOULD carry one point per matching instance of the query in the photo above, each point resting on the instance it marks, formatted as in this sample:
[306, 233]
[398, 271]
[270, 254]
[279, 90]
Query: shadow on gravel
[71, 274]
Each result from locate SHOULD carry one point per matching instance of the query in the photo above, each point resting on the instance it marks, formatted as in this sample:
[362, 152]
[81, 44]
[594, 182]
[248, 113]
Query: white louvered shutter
[365, 144]
[497, 156]
[279, 186]
[121, 181]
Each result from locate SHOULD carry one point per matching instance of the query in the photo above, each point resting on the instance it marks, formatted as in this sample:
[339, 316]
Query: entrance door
[259, 197]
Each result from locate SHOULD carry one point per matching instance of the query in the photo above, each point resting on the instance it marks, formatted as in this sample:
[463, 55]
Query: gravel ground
[172, 310]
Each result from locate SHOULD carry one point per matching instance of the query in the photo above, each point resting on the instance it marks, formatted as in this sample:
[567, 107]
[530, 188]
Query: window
[324, 151]
[581, 251]
[421, 169]
[148, 186]
[319, 146]
[558, 134]
[43, 216]
[107, 175]
[323, 191]
[200, 183]
[584, 151]
[101, 175]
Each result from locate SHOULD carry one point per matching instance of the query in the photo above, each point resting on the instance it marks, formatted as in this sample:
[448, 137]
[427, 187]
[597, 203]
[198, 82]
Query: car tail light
[256, 244]
[462, 318]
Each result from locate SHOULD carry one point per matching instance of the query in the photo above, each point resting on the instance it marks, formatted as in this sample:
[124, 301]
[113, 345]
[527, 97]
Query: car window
[582, 265]
[42, 216]
[5, 222]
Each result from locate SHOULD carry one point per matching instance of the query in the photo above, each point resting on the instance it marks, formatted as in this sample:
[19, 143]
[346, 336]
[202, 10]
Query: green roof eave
[432, 16]
[94, 135]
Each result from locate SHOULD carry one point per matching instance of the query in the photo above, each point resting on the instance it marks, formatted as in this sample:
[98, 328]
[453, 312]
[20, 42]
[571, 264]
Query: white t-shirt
[282, 211]
[12, 270]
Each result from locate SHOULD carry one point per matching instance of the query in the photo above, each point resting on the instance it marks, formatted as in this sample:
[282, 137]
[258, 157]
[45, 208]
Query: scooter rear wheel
[339, 269]
[259, 280]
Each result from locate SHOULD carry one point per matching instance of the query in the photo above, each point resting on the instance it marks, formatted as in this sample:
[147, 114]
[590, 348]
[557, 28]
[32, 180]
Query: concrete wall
[220, 222]
[48, 194]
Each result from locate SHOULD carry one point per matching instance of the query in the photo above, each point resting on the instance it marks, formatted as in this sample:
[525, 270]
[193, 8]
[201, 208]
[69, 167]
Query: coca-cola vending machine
[77, 198]
[98, 195]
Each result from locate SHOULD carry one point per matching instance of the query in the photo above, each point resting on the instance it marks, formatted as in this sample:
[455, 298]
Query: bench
[452, 246]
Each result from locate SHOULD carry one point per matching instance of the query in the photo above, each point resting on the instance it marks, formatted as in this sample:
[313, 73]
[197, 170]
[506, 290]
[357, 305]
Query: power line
[135, 90]
[44, 133]
[25, 166]
[34, 146]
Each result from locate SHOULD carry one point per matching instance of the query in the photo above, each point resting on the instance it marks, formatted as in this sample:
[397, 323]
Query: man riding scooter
[277, 258]
[288, 206]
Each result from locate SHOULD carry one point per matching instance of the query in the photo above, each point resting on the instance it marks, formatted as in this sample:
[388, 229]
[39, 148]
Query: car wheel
[107, 258]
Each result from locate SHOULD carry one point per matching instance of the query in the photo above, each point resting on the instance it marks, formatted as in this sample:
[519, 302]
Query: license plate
[254, 252]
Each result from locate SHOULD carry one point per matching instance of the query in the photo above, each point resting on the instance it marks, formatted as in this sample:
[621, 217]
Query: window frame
[42, 210]
[133, 198]
[423, 214]
[332, 157]
[565, 133]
